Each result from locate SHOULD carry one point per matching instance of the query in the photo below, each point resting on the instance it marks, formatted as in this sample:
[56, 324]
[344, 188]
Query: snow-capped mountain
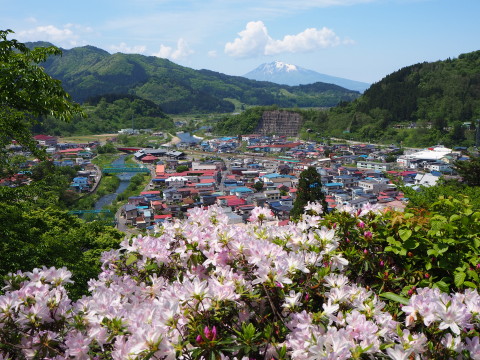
[282, 73]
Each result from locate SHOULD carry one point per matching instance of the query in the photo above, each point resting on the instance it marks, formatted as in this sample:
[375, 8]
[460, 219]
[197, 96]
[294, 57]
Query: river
[124, 182]
[185, 137]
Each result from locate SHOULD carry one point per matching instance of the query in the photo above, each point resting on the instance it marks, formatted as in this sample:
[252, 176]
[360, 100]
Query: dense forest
[88, 71]
[418, 105]
[110, 113]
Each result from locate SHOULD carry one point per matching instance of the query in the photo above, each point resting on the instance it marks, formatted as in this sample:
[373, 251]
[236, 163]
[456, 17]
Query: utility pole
[477, 138]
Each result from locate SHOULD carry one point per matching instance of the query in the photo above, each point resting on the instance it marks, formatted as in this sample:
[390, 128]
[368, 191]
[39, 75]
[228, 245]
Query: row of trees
[36, 227]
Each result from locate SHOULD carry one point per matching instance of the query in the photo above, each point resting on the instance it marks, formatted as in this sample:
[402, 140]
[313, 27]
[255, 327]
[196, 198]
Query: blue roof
[241, 189]
[333, 184]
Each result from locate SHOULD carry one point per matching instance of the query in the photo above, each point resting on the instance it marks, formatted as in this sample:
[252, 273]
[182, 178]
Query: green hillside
[87, 71]
[110, 113]
[418, 105]
[437, 102]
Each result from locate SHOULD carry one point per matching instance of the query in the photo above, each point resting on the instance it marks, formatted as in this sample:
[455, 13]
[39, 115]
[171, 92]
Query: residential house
[372, 186]
[272, 194]
[172, 195]
[427, 179]
[374, 165]
[176, 181]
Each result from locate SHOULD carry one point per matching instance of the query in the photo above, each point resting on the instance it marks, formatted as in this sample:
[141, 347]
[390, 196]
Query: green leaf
[455, 217]
[459, 278]
[442, 285]
[470, 284]
[473, 275]
[395, 297]
[405, 234]
[410, 244]
[428, 266]
[131, 259]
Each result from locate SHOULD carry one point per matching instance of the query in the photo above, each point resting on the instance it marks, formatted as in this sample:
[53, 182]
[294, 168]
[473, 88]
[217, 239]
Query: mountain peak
[280, 72]
[284, 66]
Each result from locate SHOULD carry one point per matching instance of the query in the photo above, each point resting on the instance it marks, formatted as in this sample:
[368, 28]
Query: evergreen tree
[469, 170]
[309, 189]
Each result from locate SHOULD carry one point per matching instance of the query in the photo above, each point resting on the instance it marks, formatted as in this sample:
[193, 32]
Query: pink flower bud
[365, 251]
[478, 266]
[361, 225]
[368, 234]
[198, 339]
[382, 263]
[427, 275]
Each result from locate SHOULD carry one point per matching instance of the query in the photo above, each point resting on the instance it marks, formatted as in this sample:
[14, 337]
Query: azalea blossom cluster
[200, 288]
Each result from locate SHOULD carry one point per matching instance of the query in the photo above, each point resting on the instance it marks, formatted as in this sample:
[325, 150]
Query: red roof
[227, 197]
[71, 150]
[162, 216]
[44, 137]
[236, 202]
[152, 192]
[149, 158]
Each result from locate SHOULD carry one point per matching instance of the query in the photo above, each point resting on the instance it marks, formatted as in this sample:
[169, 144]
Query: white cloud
[255, 41]
[124, 48]
[307, 40]
[212, 53]
[68, 35]
[49, 33]
[182, 51]
[308, 4]
[252, 41]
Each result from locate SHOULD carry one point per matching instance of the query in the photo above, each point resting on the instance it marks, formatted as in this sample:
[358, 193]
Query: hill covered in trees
[418, 105]
[87, 71]
[110, 113]
[423, 103]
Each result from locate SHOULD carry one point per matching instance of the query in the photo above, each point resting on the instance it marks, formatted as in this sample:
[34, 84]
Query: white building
[176, 181]
[426, 179]
[198, 166]
[432, 153]
[372, 186]
[370, 165]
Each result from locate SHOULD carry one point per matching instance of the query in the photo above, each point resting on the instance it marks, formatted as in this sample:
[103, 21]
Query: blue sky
[362, 40]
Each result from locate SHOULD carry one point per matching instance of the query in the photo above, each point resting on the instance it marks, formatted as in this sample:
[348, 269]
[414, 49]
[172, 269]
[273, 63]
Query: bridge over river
[125, 168]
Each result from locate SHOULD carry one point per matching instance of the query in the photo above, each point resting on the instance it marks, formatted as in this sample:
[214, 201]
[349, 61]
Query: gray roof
[129, 207]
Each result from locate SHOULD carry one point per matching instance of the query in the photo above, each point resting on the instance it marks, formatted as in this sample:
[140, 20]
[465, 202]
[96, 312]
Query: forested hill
[419, 105]
[87, 71]
[439, 93]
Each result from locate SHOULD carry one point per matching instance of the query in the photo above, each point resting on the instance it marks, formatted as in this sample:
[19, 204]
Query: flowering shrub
[401, 251]
[201, 289]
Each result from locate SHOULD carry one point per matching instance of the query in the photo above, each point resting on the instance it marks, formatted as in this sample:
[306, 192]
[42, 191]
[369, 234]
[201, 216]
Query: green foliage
[438, 97]
[309, 189]
[469, 170]
[108, 148]
[181, 168]
[88, 71]
[244, 123]
[258, 186]
[35, 235]
[396, 252]
[26, 93]
[110, 113]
